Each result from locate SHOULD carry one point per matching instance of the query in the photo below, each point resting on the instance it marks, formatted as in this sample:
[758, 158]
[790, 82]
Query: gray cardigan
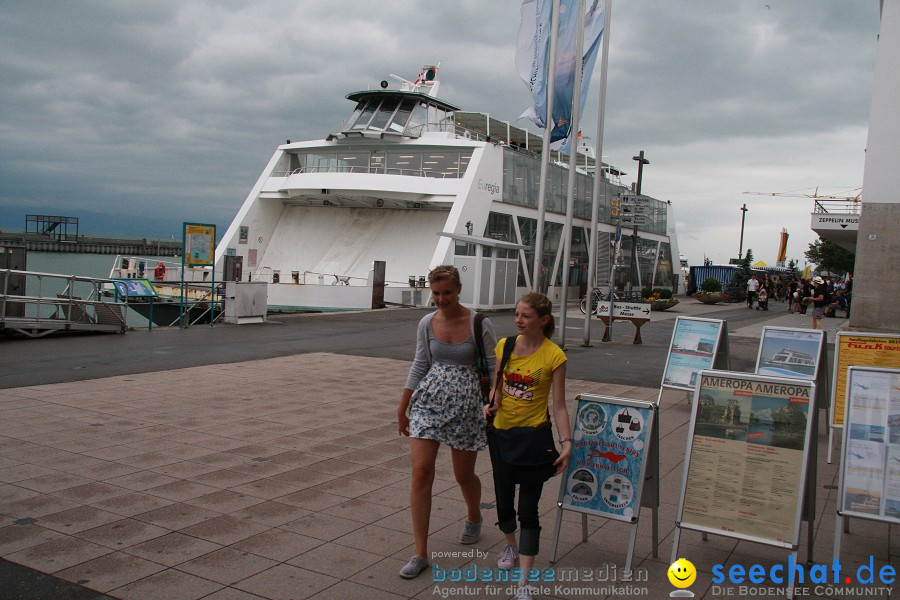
[422, 360]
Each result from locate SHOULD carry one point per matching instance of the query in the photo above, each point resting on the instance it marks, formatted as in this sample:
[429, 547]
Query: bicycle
[597, 295]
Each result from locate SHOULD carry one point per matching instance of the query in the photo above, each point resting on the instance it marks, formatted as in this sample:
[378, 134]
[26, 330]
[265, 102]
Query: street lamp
[634, 233]
[744, 210]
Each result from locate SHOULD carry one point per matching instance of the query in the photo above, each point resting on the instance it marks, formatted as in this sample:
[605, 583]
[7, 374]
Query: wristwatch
[565, 439]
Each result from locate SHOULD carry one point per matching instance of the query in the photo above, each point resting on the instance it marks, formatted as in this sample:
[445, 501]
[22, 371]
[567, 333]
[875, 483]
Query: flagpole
[598, 174]
[545, 149]
[573, 165]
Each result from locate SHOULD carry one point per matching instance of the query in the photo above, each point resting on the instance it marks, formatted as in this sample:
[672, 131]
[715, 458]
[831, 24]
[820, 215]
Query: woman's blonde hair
[543, 307]
[442, 272]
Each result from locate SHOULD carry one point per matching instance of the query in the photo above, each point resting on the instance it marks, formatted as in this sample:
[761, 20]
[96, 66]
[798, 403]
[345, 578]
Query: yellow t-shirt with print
[526, 385]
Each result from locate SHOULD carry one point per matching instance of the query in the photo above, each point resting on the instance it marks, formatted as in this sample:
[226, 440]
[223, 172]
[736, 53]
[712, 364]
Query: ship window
[321, 162]
[464, 249]
[353, 162]
[388, 106]
[366, 115]
[440, 164]
[418, 119]
[398, 123]
[404, 163]
[354, 115]
[500, 227]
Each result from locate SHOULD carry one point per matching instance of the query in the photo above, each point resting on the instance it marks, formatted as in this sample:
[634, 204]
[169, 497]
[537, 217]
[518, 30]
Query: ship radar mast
[427, 82]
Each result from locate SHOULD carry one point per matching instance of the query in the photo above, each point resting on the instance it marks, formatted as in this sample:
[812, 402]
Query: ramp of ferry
[37, 304]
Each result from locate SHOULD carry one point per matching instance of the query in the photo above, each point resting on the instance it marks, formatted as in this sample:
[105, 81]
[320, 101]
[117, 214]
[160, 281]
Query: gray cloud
[158, 112]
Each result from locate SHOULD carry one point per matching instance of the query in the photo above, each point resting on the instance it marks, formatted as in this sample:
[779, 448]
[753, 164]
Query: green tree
[744, 272]
[830, 257]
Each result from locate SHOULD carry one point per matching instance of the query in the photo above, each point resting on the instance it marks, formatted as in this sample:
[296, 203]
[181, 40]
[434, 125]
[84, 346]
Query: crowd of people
[824, 294]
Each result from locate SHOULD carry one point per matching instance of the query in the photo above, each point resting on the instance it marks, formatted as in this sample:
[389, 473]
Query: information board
[870, 455]
[609, 451]
[864, 350]
[199, 244]
[135, 288]
[785, 352]
[746, 457]
[696, 345]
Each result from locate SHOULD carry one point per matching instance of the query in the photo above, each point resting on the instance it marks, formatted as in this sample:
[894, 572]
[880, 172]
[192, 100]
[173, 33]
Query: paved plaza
[285, 478]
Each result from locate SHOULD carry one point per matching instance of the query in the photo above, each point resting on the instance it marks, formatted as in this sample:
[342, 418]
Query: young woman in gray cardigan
[442, 404]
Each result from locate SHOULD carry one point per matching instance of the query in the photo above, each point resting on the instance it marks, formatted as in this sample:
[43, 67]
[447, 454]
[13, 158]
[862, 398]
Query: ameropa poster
[609, 448]
[747, 448]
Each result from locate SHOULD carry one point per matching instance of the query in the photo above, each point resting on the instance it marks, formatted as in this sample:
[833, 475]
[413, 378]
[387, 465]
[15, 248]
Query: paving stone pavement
[285, 478]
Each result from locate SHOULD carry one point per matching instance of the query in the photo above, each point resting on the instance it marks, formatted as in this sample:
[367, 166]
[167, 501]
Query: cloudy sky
[135, 116]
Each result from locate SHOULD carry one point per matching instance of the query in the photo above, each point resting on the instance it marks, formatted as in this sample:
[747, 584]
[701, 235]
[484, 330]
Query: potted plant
[659, 298]
[710, 291]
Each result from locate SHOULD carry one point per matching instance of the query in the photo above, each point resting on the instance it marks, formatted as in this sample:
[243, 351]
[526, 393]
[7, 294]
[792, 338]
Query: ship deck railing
[371, 171]
[36, 304]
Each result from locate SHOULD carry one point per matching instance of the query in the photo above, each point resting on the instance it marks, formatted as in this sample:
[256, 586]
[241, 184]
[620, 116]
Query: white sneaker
[508, 557]
[524, 592]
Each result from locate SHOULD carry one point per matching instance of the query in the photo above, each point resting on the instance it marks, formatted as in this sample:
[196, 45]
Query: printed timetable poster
[864, 350]
[609, 449]
[747, 455]
[693, 348]
[199, 244]
[870, 478]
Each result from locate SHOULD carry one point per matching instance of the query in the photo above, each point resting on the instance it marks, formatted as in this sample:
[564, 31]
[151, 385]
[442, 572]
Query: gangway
[36, 304]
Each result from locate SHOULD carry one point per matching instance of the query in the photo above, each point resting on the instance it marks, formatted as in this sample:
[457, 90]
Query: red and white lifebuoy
[160, 271]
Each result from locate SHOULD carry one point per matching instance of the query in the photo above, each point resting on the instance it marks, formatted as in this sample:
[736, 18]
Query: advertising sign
[694, 347]
[789, 352]
[745, 471]
[870, 459]
[609, 449]
[199, 244]
[859, 349]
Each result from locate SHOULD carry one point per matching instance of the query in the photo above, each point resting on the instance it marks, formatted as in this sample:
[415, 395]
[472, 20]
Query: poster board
[610, 441]
[746, 457]
[790, 352]
[870, 455]
[859, 349]
[696, 344]
[199, 244]
[135, 288]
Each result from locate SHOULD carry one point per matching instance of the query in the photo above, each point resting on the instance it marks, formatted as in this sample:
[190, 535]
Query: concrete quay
[263, 461]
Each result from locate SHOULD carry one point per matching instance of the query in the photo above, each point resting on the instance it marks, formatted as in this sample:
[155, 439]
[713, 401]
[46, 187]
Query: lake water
[82, 264]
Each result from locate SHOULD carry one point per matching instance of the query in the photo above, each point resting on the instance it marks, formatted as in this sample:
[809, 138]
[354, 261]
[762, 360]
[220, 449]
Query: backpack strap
[481, 362]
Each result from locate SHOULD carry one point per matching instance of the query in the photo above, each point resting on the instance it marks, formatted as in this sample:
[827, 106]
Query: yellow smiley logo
[682, 573]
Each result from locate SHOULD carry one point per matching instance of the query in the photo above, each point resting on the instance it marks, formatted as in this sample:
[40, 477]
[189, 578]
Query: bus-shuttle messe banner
[747, 457]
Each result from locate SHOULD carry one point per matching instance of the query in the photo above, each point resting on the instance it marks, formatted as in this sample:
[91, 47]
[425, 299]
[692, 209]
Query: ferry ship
[410, 181]
[790, 358]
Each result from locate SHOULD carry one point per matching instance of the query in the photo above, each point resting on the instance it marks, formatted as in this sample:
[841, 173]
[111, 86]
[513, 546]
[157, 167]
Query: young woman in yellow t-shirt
[536, 366]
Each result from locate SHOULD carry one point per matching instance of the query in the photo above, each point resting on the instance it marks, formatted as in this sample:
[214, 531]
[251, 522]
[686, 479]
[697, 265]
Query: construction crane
[855, 200]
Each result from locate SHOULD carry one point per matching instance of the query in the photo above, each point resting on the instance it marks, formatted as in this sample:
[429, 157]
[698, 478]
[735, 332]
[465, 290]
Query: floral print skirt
[446, 407]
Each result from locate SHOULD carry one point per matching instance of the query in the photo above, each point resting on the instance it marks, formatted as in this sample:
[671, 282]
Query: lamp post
[634, 233]
[744, 210]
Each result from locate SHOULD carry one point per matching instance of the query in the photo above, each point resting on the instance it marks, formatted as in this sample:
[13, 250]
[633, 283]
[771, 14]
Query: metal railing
[837, 207]
[36, 304]
[371, 171]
